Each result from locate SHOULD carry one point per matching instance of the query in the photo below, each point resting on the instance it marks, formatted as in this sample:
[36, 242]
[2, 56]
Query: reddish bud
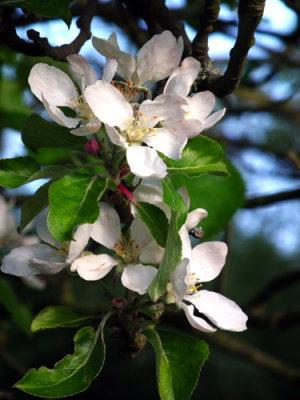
[92, 148]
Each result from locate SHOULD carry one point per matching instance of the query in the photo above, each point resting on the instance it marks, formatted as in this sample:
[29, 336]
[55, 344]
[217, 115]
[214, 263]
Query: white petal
[178, 279]
[213, 118]
[145, 162]
[182, 191]
[81, 71]
[110, 49]
[87, 129]
[163, 107]
[140, 233]
[46, 267]
[115, 137]
[58, 116]
[55, 86]
[201, 105]
[106, 230]
[188, 127]
[196, 322]
[158, 57]
[182, 78]
[17, 261]
[194, 217]
[223, 312]
[79, 242]
[151, 254]
[138, 277]
[108, 104]
[186, 250]
[93, 267]
[167, 142]
[208, 260]
[40, 223]
[109, 69]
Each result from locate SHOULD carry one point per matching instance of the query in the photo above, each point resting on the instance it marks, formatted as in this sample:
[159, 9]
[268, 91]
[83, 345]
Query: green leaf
[15, 171]
[53, 9]
[34, 205]
[220, 196]
[155, 220]
[73, 201]
[171, 259]
[38, 133]
[13, 110]
[174, 200]
[74, 373]
[53, 172]
[200, 156]
[179, 358]
[58, 317]
[20, 314]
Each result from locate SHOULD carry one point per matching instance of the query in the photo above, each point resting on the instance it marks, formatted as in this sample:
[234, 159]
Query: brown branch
[41, 46]
[278, 320]
[158, 18]
[250, 13]
[253, 355]
[277, 284]
[200, 43]
[272, 198]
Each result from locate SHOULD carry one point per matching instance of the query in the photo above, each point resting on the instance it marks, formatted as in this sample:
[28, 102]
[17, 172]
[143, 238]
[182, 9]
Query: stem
[109, 294]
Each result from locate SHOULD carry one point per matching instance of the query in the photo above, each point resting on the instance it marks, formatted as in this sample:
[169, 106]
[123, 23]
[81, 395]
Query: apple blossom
[8, 230]
[50, 258]
[128, 127]
[202, 264]
[199, 106]
[154, 61]
[55, 89]
[131, 251]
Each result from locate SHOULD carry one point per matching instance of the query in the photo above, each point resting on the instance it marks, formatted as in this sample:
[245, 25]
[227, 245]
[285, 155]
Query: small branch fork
[41, 46]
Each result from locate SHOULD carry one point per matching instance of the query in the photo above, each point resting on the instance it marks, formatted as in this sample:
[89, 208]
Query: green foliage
[74, 373]
[155, 220]
[73, 200]
[18, 311]
[220, 196]
[58, 317]
[58, 8]
[174, 200]
[34, 205]
[53, 172]
[15, 171]
[38, 133]
[200, 156]
[171, 259]
[179, 358]
[13, 110]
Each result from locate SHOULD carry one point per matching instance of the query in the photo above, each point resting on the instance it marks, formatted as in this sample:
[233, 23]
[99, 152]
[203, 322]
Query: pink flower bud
[92, 148]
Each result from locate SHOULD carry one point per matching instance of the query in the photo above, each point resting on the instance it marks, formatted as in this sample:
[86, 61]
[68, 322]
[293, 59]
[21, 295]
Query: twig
[41, 46]
[276, 285]
[272, 198]
[278, 320]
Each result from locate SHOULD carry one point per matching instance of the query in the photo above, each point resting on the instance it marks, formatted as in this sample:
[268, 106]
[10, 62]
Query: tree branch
[250, 13]
[41, 46]
[272, 198]
[278, 320]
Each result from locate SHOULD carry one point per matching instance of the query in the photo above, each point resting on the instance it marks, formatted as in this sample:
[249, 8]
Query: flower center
[126, 249]
[63, 249]
[81, 107]
[194, 284]
[127, 89]
[136, 128]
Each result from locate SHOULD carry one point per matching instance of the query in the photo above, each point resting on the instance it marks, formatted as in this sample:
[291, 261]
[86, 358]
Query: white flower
[55, 89]
[199, 106]
[202, 264]
[154, 61]
[128, 127]
[27, 261]
[132, 251]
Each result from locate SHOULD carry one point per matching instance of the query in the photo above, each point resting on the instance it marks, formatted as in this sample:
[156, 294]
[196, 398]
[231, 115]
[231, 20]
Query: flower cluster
[132, 135]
